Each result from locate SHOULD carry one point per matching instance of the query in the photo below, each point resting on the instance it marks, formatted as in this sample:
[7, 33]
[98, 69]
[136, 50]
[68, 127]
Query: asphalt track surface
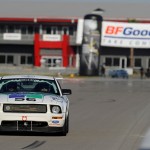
[105, 114]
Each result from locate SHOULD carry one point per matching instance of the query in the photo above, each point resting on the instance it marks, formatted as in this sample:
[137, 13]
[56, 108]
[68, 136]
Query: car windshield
[29, 85]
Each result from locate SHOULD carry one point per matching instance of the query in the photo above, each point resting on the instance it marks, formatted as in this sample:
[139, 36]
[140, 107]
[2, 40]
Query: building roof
[38, 20]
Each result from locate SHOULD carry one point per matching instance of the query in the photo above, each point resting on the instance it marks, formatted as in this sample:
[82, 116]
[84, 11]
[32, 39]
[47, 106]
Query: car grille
[25, 108]
[21, 124]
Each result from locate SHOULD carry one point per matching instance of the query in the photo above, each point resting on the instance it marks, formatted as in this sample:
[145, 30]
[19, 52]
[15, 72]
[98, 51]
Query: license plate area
[24, 125]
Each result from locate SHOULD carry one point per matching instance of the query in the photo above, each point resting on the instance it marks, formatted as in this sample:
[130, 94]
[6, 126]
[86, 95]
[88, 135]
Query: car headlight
[55, 109]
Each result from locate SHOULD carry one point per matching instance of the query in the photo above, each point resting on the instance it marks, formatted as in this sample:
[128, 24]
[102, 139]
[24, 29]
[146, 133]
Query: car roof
[28, 76]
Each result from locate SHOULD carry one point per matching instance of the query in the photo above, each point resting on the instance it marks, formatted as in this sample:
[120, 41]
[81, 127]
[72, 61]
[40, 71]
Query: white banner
[79, 36]
[51, 37]
[12, 36]
[131, 35]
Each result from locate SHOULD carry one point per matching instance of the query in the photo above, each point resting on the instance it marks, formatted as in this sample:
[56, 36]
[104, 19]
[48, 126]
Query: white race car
[33, 103]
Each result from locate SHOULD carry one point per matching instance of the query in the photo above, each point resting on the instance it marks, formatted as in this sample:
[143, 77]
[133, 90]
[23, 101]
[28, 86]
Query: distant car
[119, 73]
[33, 104]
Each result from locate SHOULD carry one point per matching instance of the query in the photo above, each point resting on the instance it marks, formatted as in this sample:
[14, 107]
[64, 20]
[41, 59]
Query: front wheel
[65, 127]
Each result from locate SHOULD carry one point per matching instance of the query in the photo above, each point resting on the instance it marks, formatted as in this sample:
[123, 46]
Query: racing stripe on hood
[40, 96]
[15, 95]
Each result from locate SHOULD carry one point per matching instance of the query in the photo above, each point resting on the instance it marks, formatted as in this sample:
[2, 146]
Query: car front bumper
[29, 126]
[32, 122]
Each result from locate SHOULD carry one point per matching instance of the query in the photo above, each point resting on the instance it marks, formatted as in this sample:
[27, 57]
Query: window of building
[2, 59]
[23, 59]
[26, 60]
[49, 63]
[59, 28]
[48, 30]
[23, 30]
[137, 62]
[65, 30]
[10, 29]
[108, 61]
[29, 60]
[71, 30]
[43, 30]
[10, 59]
[128, 62]
[116, 62]
[2, 29]
[30, 30]
[17, 29]
[54, 30]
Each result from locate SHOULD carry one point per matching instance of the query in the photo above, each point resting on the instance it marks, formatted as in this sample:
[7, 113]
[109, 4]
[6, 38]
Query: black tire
[65, 127]
[67, 124]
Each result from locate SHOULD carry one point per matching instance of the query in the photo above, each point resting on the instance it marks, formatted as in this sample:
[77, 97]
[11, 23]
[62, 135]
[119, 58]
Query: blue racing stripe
[16, 95]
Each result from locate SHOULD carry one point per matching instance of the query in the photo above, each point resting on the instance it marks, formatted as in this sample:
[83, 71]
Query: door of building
[51, 61]
[25, 59]
[123, 62]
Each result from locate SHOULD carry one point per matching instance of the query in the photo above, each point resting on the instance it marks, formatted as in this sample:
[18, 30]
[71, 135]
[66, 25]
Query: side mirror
[66, 91]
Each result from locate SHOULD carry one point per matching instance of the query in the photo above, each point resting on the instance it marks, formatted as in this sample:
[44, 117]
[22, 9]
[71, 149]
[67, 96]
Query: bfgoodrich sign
[132, 35]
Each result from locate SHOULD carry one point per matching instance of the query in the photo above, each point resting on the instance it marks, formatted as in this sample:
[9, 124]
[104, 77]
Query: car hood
[29, 98]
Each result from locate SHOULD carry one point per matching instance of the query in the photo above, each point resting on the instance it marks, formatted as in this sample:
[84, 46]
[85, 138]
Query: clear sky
[74, 8]
[135, 1]
[99, 0]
